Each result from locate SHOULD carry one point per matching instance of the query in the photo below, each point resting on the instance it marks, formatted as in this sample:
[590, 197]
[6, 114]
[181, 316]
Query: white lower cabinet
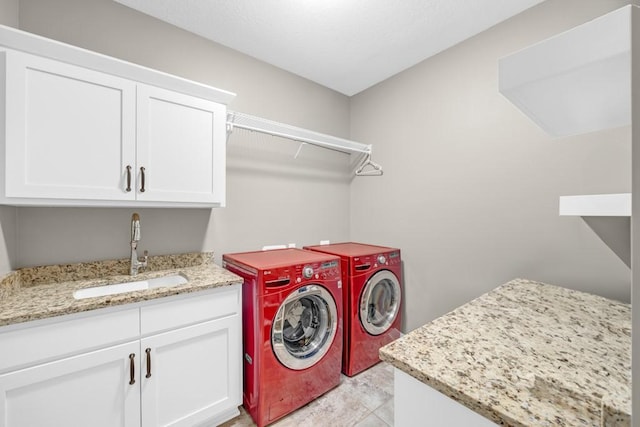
[174, 392]
[90, 389]
[186, 374]
[414, 400]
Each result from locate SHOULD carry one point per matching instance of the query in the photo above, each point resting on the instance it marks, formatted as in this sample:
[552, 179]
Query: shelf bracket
[299, 149]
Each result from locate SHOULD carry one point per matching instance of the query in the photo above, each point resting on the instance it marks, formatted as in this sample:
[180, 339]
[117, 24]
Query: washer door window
[304, 327]
[380, 302]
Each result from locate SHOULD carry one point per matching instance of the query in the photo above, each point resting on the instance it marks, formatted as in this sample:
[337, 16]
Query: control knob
[382, 259]
[307, 272]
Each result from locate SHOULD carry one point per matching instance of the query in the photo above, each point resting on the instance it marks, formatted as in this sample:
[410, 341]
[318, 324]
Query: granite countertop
[528, 354]
[34, 293]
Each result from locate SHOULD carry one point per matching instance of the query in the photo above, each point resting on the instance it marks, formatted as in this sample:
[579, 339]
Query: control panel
[301, 273]
[375, 261]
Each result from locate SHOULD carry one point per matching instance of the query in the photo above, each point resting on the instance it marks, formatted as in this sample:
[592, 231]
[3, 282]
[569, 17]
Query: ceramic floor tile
[379, 376]
[369, 394]
[372, 421]
[339, 407]
[385, 412]
[242, 420]
[365, 400]
[373, 387]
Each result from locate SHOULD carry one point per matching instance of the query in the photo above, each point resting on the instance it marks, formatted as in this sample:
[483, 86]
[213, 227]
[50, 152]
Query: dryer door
[304, 327]
[380, 302]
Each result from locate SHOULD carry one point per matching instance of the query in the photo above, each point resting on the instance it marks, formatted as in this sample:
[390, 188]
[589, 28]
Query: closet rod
[270, 127]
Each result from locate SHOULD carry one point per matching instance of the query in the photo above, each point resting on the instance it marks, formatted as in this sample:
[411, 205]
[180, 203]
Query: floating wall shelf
[576, 82]
[258, 124]
[270, 127]
[596, 205]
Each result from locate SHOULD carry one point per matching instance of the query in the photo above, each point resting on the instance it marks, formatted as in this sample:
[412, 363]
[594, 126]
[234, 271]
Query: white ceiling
[346, 45]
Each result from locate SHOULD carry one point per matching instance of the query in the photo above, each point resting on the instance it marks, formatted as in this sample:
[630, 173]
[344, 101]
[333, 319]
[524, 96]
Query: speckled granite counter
[528, 354]
[40, 292]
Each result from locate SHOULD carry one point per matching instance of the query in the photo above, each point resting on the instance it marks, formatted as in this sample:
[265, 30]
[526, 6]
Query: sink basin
[140, 285]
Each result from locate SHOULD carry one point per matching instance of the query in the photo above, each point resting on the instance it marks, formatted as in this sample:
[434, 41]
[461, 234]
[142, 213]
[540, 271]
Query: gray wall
[471, 186]
[8, 16]
[9, 12]
[272, 197]
[635, 214]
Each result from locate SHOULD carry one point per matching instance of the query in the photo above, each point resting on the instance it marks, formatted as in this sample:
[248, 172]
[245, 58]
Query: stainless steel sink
[140, 285]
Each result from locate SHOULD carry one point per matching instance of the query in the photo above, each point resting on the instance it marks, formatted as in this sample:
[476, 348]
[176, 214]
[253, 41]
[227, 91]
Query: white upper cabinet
[576, 82]
[70, 132]
[82, 129]
[177, 148]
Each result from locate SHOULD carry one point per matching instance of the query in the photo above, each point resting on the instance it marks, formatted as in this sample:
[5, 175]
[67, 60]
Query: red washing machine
[292, 328]
[372, 294]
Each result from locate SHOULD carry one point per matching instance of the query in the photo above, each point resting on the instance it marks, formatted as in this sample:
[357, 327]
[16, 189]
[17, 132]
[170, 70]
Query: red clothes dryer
[372, 277]
[292, 328]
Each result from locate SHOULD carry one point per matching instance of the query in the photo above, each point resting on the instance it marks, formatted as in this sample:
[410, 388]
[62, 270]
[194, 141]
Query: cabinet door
[195, 373]
[70, 131]
[91, 389]
[181, 146]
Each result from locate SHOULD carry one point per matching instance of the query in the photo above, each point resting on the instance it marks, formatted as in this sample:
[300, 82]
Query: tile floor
[365, 400]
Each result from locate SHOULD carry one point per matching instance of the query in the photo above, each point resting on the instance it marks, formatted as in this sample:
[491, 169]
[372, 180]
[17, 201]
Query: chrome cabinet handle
[132, 369]
[142, 179]
[148, 351]
[128, 178]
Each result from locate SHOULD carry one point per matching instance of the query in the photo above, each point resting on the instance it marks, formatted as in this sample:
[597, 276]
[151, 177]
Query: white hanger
[375, 171]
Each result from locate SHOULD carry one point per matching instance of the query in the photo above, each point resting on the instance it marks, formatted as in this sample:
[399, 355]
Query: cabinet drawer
[27, 346]
[200, 307]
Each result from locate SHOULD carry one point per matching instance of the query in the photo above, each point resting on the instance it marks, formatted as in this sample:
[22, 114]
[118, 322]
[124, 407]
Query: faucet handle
[144, 259]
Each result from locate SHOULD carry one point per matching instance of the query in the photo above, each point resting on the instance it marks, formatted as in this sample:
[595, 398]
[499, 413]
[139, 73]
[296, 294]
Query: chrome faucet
[136, 262]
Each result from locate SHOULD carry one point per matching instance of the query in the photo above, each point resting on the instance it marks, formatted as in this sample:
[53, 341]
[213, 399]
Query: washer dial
[307, 272]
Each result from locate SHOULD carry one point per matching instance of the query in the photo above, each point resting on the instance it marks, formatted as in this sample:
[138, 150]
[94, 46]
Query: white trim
[41, 46]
